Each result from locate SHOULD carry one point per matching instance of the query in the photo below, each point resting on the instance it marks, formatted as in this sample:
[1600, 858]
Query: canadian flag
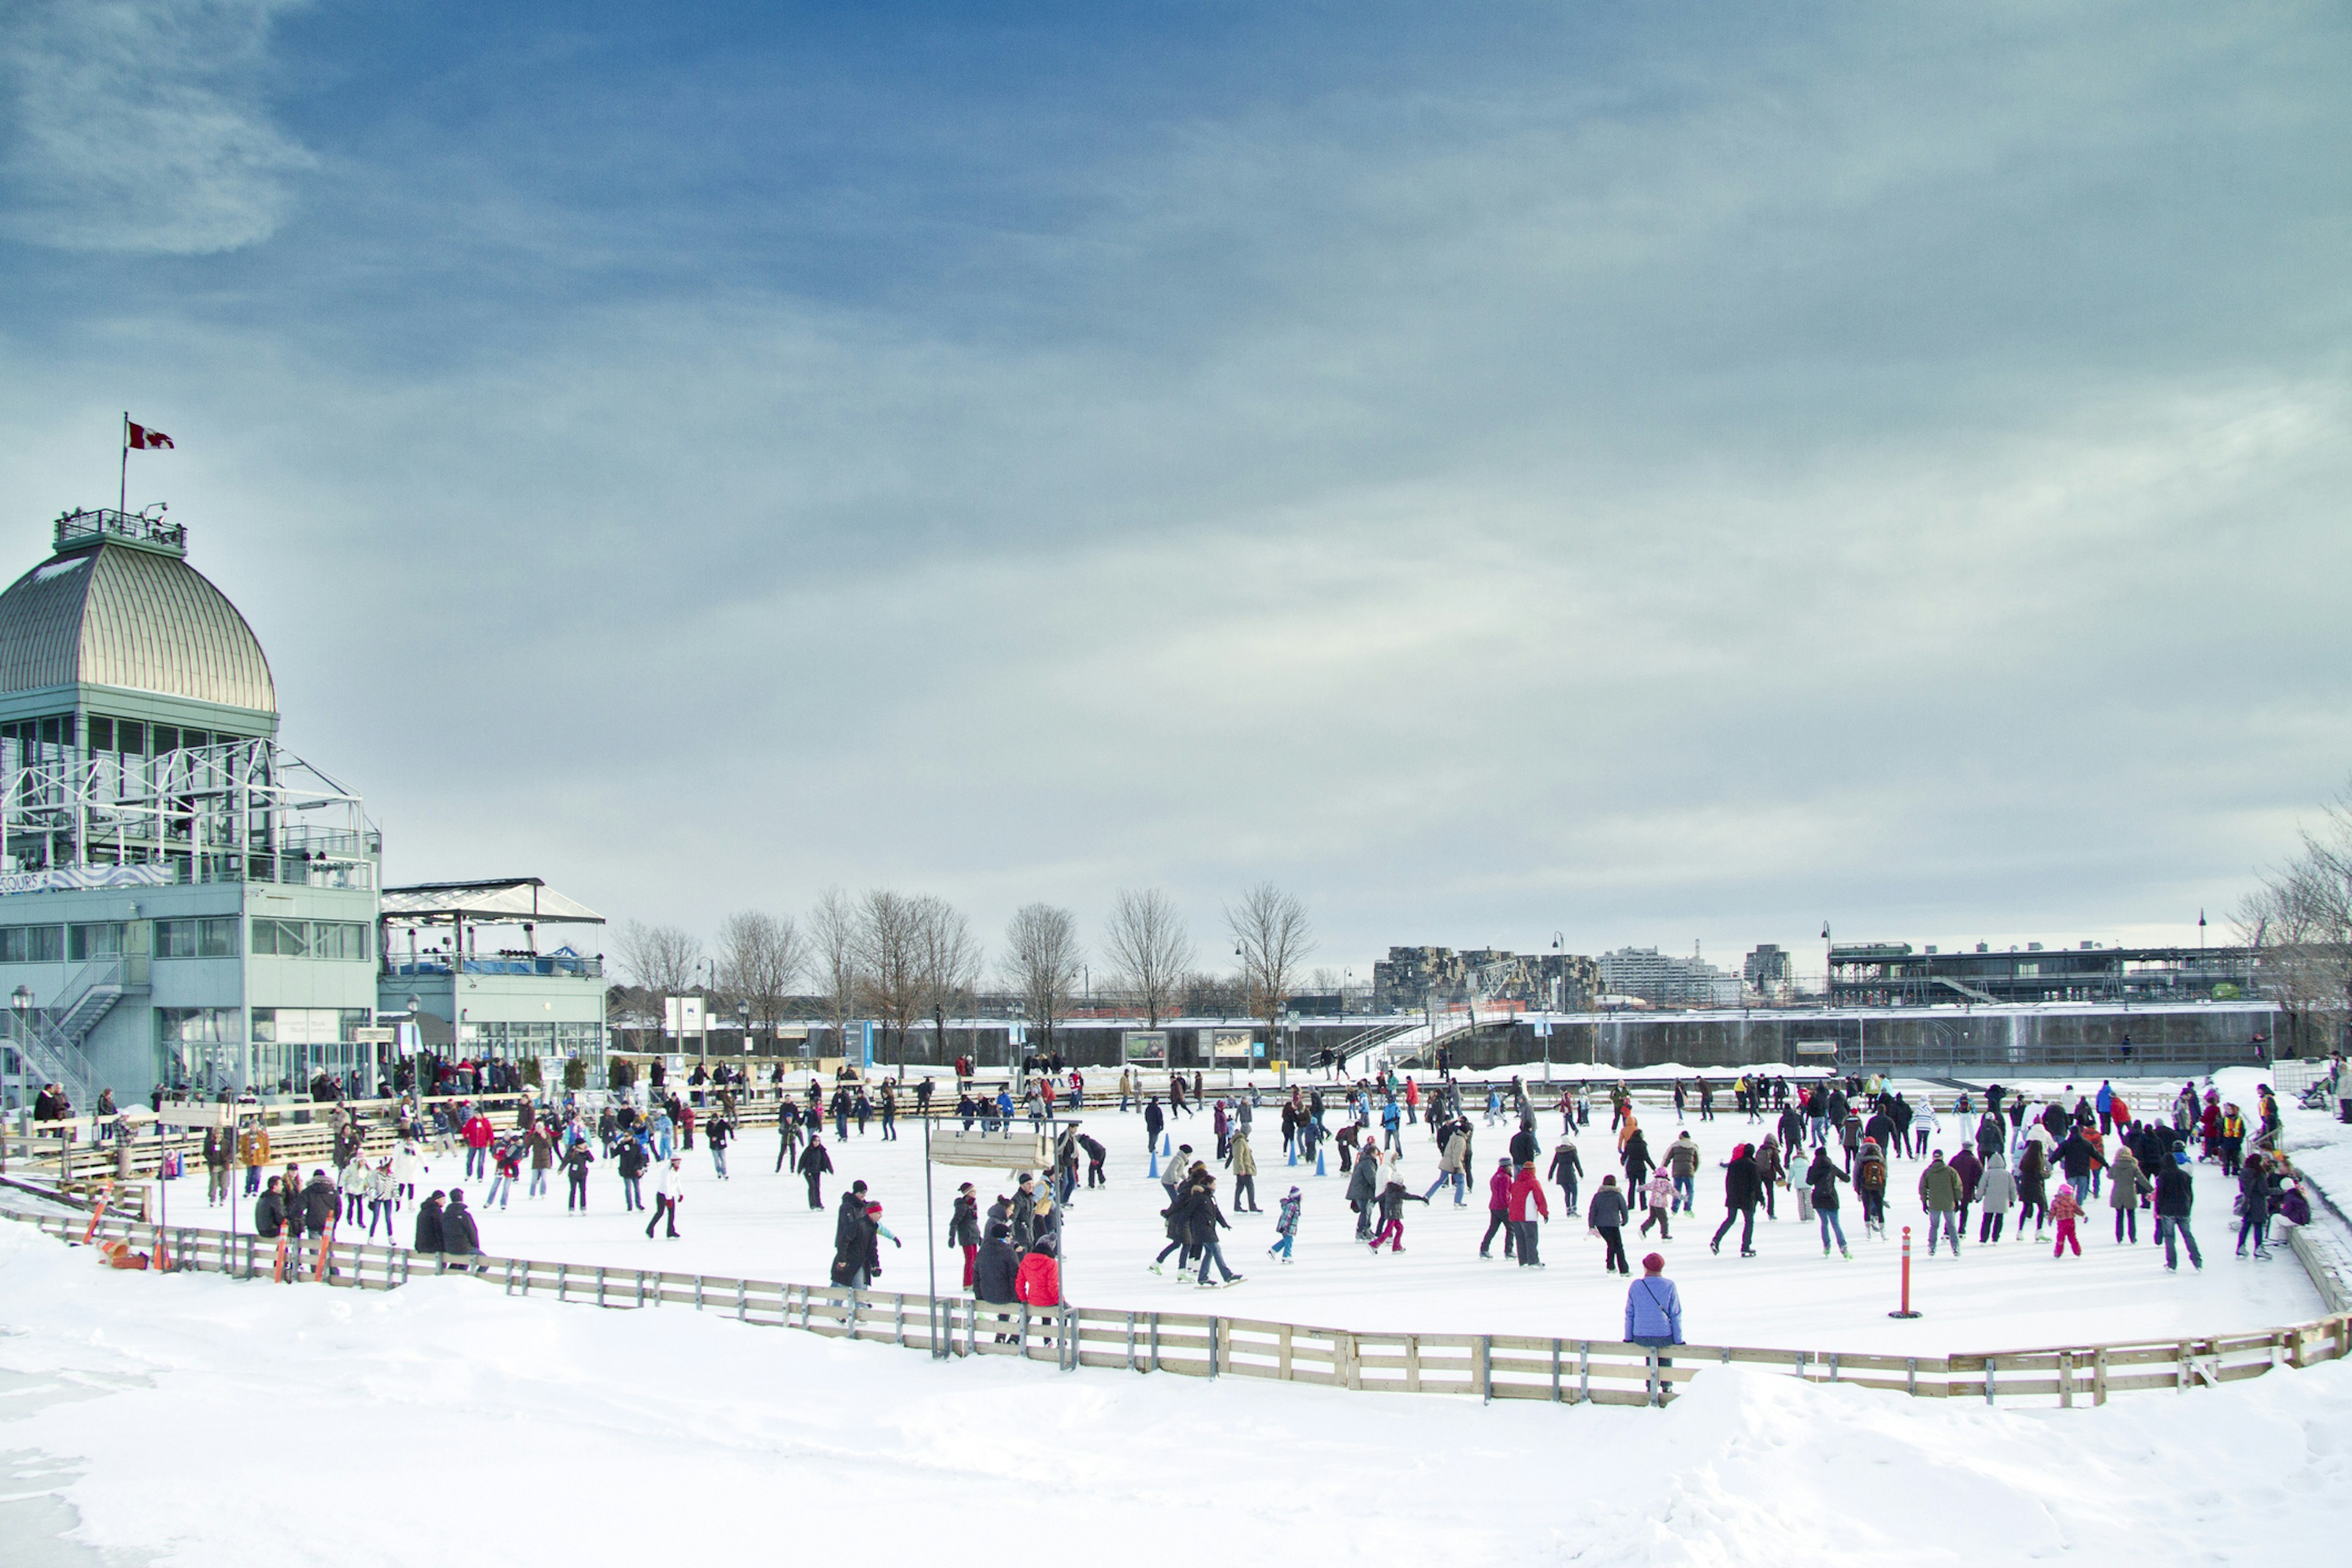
[142, 439]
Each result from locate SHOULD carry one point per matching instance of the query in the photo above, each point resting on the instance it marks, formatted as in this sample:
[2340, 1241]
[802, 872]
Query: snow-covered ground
[194, 1420]
[2011, 1295]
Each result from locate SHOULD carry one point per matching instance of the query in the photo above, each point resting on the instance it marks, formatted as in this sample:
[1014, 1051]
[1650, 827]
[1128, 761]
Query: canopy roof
[514, 901]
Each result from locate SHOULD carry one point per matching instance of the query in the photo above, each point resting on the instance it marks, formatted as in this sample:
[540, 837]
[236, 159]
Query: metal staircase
[51, 1039]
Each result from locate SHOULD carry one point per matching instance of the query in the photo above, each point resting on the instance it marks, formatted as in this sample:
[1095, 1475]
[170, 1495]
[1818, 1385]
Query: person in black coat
[459, 1237]
[853, 1239]
[1739, 1190]
[2175, 1195]
[269, 1212]
[814, 1163]
[428, 1224]
[999, 1265]
[321, 1203]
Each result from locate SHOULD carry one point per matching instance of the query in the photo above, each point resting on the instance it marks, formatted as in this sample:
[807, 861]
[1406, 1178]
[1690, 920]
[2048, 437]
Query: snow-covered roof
[514, 901]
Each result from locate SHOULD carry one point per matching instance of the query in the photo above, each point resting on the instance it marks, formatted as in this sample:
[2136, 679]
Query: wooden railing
[1489, 1366]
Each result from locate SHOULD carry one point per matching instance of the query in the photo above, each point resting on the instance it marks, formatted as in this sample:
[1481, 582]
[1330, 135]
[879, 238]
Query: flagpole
[122, 496]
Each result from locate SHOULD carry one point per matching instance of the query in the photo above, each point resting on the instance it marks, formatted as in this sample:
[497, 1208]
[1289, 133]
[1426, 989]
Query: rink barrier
[1561, 1371]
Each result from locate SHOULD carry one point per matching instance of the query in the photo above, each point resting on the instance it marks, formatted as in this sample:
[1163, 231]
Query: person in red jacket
[477, 1133]
[1526, 1189]
[1039, 1283]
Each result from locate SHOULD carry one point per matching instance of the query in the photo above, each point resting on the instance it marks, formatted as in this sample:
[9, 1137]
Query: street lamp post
[743, 1014]
[22, 1001]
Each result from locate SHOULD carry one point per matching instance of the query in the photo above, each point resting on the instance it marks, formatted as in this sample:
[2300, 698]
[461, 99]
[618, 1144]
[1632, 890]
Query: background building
[1411, 978]
[476, 956]
[1654, 976]
[1888, 974]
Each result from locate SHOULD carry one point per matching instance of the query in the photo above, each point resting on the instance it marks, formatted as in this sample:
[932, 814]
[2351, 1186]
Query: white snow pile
[195, 1420]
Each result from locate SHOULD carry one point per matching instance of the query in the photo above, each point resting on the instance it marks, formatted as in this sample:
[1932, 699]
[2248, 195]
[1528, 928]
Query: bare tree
[662, 959]
[832, 933]
[1147, 944]
[2298, 924]
[890, 960]
[761, 957]
[1042, 961]
[1204, 994]
[1272, 938]
[947, 961]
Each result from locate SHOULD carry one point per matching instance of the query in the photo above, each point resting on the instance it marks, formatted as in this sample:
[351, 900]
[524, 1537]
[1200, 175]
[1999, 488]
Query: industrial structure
[181, 900]
[1890, 975]
[469, 956]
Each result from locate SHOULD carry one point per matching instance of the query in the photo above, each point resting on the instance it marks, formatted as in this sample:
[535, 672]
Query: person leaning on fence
[1654, 1311]
[428, 1223]
[269, 1212]
[999, 1265]
[460, 1238]
[1038, 1282]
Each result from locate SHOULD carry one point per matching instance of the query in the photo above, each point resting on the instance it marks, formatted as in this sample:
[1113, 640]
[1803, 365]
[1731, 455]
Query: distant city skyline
[1656, 478]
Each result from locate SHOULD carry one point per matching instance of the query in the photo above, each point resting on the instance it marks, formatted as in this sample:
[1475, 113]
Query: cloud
[1722, 493]
[139, 126]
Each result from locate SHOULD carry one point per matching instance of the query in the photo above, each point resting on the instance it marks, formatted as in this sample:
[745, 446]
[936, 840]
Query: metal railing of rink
[1561, 1371]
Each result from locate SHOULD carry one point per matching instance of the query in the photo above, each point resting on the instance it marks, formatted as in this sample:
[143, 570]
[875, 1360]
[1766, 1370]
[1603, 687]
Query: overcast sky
[1667, 475]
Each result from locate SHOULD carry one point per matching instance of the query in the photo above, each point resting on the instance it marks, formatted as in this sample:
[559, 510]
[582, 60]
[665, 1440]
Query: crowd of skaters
[2006, 1161]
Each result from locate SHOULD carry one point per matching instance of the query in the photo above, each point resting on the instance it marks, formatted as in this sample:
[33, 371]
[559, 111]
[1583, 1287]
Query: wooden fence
[1488, 1366]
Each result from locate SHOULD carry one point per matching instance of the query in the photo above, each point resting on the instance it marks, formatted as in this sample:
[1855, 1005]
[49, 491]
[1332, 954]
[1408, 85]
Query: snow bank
[211, 1422]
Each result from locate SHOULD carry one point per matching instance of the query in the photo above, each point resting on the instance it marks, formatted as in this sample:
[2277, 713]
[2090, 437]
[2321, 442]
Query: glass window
[49, 732]
[213, 937]
[194, 738]
[283, 938]
[167, 738]
[132, 736]
[66, 728]
[88, 941]
[101, 734]
[32, 944]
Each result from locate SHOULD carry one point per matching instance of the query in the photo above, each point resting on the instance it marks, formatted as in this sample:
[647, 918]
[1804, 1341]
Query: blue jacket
[1653, 1309]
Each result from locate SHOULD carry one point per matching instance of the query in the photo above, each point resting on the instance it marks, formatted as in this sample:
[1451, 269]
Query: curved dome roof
[120, 616]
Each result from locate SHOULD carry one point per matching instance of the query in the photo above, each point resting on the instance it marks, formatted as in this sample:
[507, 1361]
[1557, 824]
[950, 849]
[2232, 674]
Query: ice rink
[2013, 1295]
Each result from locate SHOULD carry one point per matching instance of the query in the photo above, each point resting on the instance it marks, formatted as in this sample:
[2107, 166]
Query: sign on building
[1817, 1048]
[1144, 1047]
[1229, 1044]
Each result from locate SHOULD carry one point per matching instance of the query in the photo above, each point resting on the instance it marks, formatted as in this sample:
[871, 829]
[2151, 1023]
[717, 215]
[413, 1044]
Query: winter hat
[1293, 1192]
[456, 1195]
[1653, 1264]
[874, 1211]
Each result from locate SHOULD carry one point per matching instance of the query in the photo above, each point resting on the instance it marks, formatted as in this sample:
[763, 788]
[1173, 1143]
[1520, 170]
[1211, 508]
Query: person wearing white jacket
[669, 1182]
[406, 1161]
[1997, 1191]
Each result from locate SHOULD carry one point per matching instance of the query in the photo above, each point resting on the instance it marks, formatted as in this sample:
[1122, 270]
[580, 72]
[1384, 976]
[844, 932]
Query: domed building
[180, 902]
